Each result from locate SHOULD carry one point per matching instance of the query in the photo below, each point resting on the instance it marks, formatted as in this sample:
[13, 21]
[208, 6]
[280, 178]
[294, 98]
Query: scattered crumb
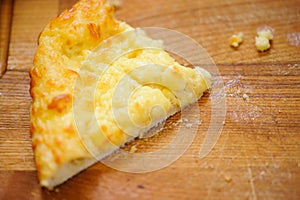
[265, 28]
[141, 135]
[56, 190]
[262, 41]
[207, 166]
[133, 149]
[189, 125]
[262, 173]
[185, 119]
[179, 121]
[198, 122]
[227, 178]
[266, 34]
[236, 39]
[293, 38]
[0, 94]
[174, 124]
[161, 129]
[223, 122]
[246, 97]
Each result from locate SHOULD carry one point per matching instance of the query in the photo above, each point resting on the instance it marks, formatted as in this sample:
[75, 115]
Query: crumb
[262, 41]
[265, 28]
[141, 135]
[185, 119]
[198, 122]
[293, 38]
[56, 190]
[227, 178]
[236, 39]
[133, 149]
[174, 124]
[223, 122]
[161, 129]
[246, 97]
[262, 173]
[266, 34]
[189, 125]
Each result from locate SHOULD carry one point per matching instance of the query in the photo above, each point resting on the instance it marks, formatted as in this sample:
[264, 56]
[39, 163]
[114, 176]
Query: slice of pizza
[96, 86]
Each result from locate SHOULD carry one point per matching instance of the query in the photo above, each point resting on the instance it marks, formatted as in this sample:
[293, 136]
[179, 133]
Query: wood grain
[30, 17]
[5, 24]
[258, 153]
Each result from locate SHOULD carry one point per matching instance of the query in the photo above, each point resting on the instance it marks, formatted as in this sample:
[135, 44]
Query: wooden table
[258, 153]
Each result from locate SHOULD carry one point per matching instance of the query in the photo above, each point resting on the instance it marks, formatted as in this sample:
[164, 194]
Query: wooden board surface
[5, 25]
[258, 153]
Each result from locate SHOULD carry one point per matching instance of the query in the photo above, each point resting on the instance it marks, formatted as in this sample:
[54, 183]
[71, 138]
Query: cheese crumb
[236, 39]
[266, 34]
[246, 97]
[262, 41]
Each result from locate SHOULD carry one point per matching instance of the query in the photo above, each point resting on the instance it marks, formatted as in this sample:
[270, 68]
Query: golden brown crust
[63, 45]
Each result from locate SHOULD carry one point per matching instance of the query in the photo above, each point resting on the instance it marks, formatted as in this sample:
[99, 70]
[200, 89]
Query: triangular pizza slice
[95, 86]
